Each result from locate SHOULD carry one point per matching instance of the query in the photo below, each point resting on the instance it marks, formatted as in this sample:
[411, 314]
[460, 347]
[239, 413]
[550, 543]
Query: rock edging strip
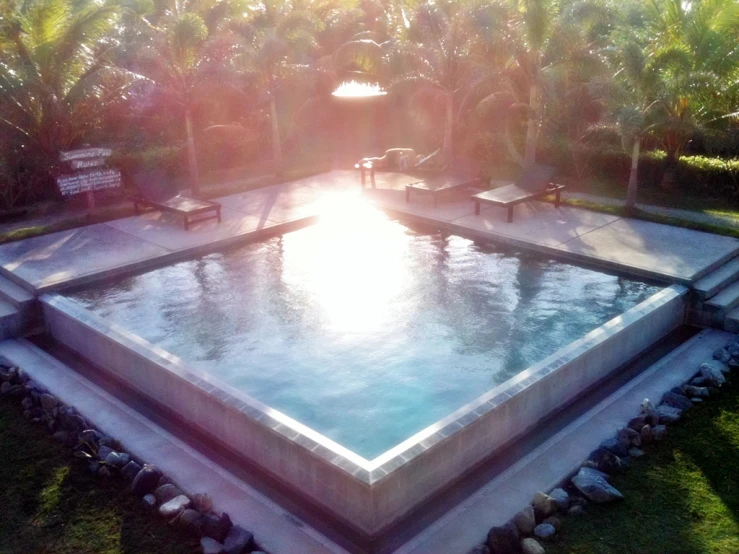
[105, 458]
[536, 523]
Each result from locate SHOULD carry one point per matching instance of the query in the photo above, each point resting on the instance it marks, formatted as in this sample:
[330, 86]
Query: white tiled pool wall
[366, 495]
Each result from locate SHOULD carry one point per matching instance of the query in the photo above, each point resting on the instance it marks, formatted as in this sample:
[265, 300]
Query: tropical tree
[277, 45]
[693, 45]
[187, 60]
[57, 80]
[437, 59]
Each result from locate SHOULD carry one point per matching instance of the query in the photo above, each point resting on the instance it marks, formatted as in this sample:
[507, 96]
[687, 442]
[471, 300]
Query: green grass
[49, 503]
[683, 497]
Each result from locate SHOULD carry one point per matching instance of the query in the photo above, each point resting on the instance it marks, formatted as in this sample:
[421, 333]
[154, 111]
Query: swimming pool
[360, 327]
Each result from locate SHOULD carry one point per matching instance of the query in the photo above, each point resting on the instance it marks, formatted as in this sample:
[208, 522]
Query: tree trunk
[532, 130]
[276, 144]
[191, 157]
[448, 147]
[633, 177]
[668, 177]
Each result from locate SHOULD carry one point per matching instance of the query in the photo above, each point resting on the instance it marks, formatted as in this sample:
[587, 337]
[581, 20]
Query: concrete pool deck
[69, 258]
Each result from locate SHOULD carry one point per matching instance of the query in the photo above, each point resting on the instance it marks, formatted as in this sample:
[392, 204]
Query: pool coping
[373, 474]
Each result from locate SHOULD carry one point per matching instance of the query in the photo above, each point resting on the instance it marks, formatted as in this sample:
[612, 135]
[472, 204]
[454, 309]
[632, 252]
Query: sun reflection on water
[352, 264]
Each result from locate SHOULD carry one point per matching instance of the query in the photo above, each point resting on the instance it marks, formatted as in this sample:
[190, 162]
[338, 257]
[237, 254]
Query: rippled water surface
[361, 328]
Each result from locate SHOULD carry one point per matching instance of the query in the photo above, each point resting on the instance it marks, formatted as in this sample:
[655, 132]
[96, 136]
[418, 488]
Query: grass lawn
[49, 503]
[682, 497]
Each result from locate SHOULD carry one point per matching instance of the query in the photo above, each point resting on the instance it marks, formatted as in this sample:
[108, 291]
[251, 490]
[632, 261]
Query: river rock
[165, 493]
[217, 526]
[525, 520]
[615, 446]
[604, 460]
[636, 423]
[646, 434]
[479, 549]
[89, 436]
[650, 411]
[544, 505]
[698, 392]
[576, 510]
[174, 507]
[530, 546]
[595, 486]
[668, 414]
[72, 422]
[699, 381]
[117, 459]
[191, 521]
[722, 355]
[150, 501]
[554, 521]
[146, 480]
[211, 546]
[61, 436]
[714, 373]
[130, 470]
[237, 540]
[732, 347]
[202, 502]
[676, 401]
[629, 437]
[561, 497]
[48, 402]
[635, 452]
[504, 539]
[545, 531]
[658, 432]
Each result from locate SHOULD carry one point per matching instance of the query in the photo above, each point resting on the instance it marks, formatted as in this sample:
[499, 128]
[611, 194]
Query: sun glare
[352, 264]
[355, 89]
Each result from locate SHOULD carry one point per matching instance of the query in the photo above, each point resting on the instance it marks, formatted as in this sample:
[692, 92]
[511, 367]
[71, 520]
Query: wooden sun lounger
[440, 184]
[535, 182]
[158, 193]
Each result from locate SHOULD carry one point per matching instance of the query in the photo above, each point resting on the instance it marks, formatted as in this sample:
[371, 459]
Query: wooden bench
[158, 193]
[439, 184]
[534, 183]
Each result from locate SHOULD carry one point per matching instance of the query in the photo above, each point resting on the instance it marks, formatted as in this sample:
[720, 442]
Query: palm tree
[185, 59]
[56, 76]
[277, 44]
[541, 53]
[437, 57]
[631, 97]
[694, 47]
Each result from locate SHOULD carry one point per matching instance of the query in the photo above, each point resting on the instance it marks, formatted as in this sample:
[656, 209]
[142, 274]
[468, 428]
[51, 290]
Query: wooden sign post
[90, 175]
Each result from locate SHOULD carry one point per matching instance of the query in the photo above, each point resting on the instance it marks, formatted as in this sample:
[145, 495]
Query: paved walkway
[131, 244]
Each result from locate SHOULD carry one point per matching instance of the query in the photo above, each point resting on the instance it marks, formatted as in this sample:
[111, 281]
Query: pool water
[360, 327]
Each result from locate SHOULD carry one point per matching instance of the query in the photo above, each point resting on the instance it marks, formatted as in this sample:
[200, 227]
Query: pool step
[713, 283]
[15, 294]
[13, 320]
[19, 311]
[723, 302]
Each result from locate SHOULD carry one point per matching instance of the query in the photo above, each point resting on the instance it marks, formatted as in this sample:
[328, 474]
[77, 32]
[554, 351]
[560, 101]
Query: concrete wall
[367, 495]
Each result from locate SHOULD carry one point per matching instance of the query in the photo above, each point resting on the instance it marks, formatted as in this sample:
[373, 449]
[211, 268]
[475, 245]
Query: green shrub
[694, 175]
[172, 160]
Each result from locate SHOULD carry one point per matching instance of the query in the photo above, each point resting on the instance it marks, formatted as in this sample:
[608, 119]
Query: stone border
[538, 522]
[368, 496]
[105, 458]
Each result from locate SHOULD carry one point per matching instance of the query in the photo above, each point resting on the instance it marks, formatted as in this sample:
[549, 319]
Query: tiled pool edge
[368, 496]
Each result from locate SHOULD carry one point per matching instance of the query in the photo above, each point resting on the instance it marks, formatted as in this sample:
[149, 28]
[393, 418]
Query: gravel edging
[193, 516]
[530, 529]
